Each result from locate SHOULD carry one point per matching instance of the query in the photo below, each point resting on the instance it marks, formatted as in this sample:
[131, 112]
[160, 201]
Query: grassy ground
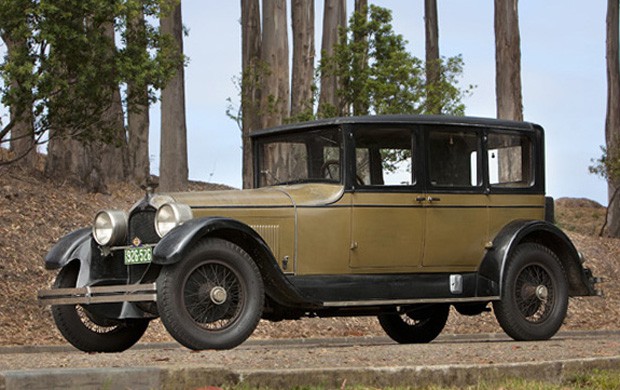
[596, 380]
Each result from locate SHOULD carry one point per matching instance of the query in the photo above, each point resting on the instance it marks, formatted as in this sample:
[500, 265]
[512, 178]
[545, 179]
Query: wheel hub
[218, 295]
[542, 292]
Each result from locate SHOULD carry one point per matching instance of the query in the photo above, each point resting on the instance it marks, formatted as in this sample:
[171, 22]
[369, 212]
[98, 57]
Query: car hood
[293, 195]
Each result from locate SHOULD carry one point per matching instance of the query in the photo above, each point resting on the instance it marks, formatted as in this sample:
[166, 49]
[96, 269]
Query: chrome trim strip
[408, 301]
[98, 294]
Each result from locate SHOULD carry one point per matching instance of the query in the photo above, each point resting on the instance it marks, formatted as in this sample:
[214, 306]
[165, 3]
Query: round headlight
[170, 216]
[110, 227]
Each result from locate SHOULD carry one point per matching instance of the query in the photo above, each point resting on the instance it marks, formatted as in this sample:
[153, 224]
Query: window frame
[417, 183]
[481, 164]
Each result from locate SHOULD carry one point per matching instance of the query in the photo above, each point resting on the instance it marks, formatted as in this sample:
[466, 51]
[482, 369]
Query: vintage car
[398, 217]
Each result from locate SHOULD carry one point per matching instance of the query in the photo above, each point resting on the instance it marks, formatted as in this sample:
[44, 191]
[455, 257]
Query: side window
[510, 160]
[384, 157]
[454, 159]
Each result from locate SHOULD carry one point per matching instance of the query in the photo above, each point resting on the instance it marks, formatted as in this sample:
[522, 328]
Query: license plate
[138, 255]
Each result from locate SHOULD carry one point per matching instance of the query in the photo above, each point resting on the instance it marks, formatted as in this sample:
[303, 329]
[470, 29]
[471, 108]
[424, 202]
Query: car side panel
[387, 231]
[456, 231]
[323, 238]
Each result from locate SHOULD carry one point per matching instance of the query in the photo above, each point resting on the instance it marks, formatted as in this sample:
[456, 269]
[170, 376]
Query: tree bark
[303, 57]
[334, 17]
[173, 167]
[138, 111]
[360, 106]
[112, 155]
[433, 71]
[97, 162]
[612, 119]
[250, 88]
[508, 60]
[275, 90]
[22, 142]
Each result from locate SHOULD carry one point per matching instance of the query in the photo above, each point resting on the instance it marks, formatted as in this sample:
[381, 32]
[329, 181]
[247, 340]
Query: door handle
[427, 198]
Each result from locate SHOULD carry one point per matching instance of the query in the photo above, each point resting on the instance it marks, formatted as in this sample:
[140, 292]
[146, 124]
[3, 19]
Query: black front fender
[175, 245]
[75, 245]
[581, 282]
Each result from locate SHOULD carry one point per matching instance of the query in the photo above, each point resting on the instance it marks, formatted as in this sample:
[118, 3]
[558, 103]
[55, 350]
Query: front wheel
[534, 295]
[213, 298]
[88, 332]
[420, 325]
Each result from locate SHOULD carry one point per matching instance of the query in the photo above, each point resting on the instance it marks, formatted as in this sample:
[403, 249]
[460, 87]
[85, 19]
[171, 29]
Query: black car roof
[400, 119]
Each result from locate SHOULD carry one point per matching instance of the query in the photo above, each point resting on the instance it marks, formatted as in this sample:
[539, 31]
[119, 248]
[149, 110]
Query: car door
[456, 203]
[387, 219]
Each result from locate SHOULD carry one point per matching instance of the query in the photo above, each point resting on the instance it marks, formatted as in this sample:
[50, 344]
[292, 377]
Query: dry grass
[36, 212]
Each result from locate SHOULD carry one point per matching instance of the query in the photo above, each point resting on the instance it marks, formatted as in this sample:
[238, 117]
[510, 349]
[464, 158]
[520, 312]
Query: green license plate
[138, 255]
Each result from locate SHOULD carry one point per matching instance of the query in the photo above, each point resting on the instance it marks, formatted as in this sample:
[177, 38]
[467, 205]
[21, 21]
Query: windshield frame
[315, 156]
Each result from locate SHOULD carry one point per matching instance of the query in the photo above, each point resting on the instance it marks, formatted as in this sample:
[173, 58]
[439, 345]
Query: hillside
[36, 212]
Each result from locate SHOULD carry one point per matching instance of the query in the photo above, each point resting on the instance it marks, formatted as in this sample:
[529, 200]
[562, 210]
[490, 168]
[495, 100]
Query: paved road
[370, 361]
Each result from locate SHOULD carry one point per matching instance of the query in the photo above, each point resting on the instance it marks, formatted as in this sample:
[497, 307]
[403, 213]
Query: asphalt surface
[330, 363]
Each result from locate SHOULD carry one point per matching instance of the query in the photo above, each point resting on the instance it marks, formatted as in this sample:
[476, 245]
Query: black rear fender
[544, 233]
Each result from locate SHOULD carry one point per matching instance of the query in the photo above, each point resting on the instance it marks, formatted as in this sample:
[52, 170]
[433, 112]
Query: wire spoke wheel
[213, 296]
[94, 325]
[534, 295]
[87, 331]
[415, 326]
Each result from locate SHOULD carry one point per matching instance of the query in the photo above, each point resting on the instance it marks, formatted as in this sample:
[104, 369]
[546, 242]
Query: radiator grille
[141, 225]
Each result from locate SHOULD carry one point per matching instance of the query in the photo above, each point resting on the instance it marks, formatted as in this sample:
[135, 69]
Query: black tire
[87, 332]
[213, 298]
[534, 296]
[416, 326]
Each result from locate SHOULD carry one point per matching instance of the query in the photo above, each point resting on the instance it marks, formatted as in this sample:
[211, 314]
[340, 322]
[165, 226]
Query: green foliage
[606, 166]
[379, 76]
[66, 63]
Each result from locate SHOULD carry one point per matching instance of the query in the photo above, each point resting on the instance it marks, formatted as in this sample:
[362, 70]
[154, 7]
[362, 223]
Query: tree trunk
[303, 57]
[360, 106]
[173, 166]
[275, 90]
[508, 60]
[250, 89]
[138, 111]
[433, 71]
[97, 162]
[334, 17]
[112, 155]
[361, 6]
[22, 133]
[612, 120]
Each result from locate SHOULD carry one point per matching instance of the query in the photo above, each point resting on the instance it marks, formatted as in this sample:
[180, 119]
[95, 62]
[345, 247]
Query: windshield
[310, 156]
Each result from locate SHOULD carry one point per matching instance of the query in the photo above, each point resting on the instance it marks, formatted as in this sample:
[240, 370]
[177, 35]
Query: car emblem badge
[136, 242]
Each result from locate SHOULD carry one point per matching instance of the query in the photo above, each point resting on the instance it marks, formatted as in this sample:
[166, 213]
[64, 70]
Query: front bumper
[99, 294]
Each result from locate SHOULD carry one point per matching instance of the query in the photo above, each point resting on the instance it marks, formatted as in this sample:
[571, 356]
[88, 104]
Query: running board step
[99, 294]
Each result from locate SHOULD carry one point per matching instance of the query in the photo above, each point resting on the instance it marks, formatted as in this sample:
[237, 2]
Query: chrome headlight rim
[171, 215]
[110, 227]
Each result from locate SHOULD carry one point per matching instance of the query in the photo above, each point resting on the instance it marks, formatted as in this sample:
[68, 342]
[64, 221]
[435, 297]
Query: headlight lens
[110, 227]
[170, 216]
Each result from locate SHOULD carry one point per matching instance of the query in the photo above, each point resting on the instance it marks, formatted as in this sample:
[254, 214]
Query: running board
[99, 294]
[399, 302]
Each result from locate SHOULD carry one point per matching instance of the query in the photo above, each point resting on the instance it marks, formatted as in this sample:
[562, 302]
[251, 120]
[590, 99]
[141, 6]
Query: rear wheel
[88, 332]
[534, 296]
[213, 298]
[421, 325]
